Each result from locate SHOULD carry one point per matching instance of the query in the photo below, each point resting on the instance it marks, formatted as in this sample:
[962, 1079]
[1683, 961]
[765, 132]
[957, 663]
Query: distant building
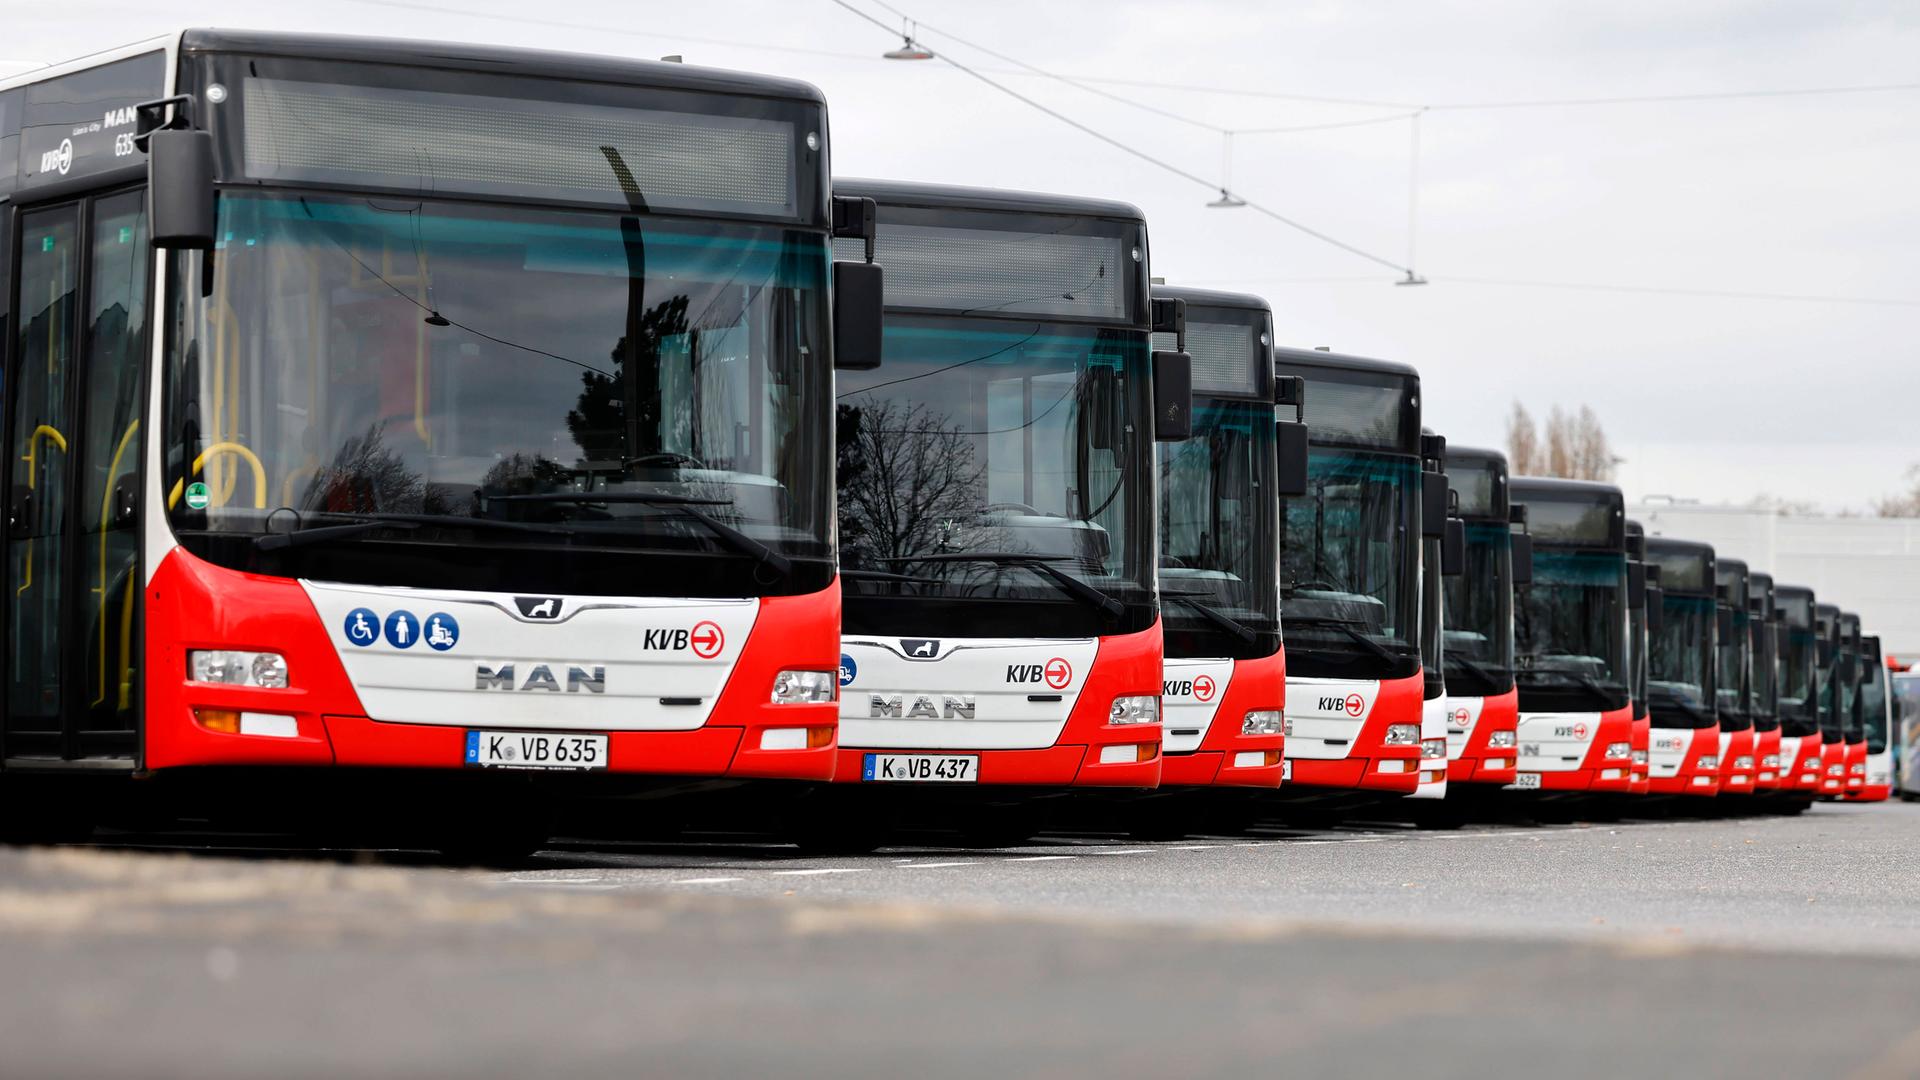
[1864, 564]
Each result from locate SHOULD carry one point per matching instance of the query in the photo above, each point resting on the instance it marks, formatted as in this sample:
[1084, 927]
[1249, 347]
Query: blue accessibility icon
[848, 669]
[363, 627]
[441, 631]
[402, 629]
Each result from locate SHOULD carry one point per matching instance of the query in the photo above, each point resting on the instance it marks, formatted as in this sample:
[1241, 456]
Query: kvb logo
[1203, 687]
[1355, 705]
[707, 640]
[1058, 673]
[1460, 716]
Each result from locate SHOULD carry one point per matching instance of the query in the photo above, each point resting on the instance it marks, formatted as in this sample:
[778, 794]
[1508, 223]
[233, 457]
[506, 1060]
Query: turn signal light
[224, 721]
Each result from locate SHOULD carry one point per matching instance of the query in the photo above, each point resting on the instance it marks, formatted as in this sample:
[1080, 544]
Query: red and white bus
[1836, 700]
[1876, 714]
[1442, 557]
[1763, 635]
[1733, 688]
[1853, 727]
[1683, 749]
[1642, 599]
[1350, 579]
[418, 412]
[1570, 640]
[1220, 497]
[1483, 705]
[1801, 748]
[997, 524]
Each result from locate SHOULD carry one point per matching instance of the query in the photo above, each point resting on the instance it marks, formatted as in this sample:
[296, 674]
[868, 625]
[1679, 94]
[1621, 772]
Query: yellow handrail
[259, 473]
[106, 519]
[32, 459]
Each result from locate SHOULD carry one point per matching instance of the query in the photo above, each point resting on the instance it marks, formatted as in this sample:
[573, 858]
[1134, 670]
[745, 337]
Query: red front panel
[192, 604]
[1766, 744]
[1597, 771]
[1691, 779]
[1256, 684]
[1856, 766]
[1642, 745]
[1737, 778]
[1833, 768]
[1398, 702]
[1499, 713]
[1812, 766]
[1124, 665]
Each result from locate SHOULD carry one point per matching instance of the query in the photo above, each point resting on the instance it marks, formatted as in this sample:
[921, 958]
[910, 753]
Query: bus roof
[1212, 298]
[955, 197]
[1288, 356]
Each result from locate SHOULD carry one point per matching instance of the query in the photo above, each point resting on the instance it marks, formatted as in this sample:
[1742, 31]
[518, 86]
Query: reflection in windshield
[1733, 684]
[384, 357]
[1349, 563]
[1680, 666]
[998, 438]
[1217, 516]
[1569, 625]
[1479, 606]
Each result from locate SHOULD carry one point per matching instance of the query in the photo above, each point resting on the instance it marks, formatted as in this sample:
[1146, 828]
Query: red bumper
[1736, 779]
[1766, 744]
[1227, 758]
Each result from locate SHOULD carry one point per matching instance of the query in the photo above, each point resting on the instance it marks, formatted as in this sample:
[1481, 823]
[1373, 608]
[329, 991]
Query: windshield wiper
[1479, 670]
[686, 504]
[1377, 649]
[1040, 564]
[320, 534]
[369, 522]
[1215, 616]
[1604, 689]
[883, 575]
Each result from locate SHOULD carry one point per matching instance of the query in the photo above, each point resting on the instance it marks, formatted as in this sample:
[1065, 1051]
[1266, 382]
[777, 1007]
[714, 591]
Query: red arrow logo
[1058, 673]
[1203, 688]
[707, 640]
[1355, 705]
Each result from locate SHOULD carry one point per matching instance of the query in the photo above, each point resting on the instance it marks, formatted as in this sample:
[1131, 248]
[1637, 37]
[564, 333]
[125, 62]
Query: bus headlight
[804, 687]
[1141, 709]
[1433, 748]
[1262, 722]
[1618, 749]
[1402, 734]
[1503, 740]
[1771, 761]
[231, 668]
[1707, 762]
[1743, 762]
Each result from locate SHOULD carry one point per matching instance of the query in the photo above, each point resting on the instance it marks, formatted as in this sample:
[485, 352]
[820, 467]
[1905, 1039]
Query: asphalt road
[1756, 947]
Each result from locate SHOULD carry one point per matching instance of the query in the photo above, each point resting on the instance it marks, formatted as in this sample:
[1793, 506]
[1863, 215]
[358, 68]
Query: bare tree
[1559, 444]
[1592, 454]
[1523, 441]
[908, 480]
[1783, 507]
[1905, 504]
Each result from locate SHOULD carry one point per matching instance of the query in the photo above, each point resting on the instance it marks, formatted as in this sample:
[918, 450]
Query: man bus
[1570, 629]
[997, 509]
[1440, 558]
[1220, 497]
[1733, 690]
[424, 456]
[1482, 701]
[1835, 697]
[1639, 591]
[1801, 747]
[1683, 748]
[1853, 726]
[1763, 637]
[1877, 721]
[1350, 577]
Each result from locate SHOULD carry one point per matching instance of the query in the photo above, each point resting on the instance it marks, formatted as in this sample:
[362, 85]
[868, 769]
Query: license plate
[1286, 769]
[534, 750]
[921, 768]
[1527, 781]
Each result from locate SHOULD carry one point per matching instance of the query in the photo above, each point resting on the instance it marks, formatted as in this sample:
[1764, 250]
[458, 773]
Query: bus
[1683, 747]
[357, 445]
[1877, 720]
[1350, 580]
[1640, 590]
[999, 548]
[1835, 676]
[1483, 705]
[1763, 637]
[1733, 688]
[1853, 726]
[1570, 640]
[1906, 727]
[1221, 493]
[1441, 557]
[1801, 747]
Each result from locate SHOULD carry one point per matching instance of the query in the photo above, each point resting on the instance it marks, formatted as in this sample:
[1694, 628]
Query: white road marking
[1128, 851]
[935, 865]
[1041, 858]
[1194, 847]
[824, 870]
[707, 880]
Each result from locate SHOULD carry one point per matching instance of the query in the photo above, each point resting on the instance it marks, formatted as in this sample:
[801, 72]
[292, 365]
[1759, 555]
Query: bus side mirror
[1172, 396]
[1453, 549]
[1636, 586]
[1433, 505]
[1290, 442]
[1522, 559]
[1723, 625]
[858, 294]
[180, 198]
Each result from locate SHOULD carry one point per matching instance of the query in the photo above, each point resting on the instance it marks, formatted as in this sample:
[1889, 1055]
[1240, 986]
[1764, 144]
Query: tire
[503, 831]
[824, 823]
[41, 813]
[998, 827]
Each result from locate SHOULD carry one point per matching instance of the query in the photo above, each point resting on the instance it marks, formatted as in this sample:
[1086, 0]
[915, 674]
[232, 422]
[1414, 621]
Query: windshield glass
[1733, 685]
[1350, 567]
[1680, 664]
[1873, 704]
[1432, 620]
[1479, 607]
[1797, 707]
[1763, 637]
[1851, 677]
[1637, 648]
[1570, 631]
[1218, 516]
[982, 448]
[354, 359]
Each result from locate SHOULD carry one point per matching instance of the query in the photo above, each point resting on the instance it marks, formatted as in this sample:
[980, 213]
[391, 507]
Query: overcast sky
[1719, 399]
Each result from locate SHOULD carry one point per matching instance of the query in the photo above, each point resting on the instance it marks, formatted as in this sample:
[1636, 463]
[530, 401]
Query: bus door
[73, 408]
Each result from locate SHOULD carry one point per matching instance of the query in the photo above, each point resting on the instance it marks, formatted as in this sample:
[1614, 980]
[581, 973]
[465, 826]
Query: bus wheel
[998, 826]
[35, 813]
[824, 823]
[495, 832]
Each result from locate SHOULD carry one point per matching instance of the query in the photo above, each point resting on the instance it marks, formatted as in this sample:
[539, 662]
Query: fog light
[1497, 764]
[796, 738]
[1261, 722]
[1502, 740]
[1743, 762]
[804, 688]
[1141, 709]
[1127, 753]
[1402, 734]
[1618, 749]
[1256, 759]
[1707, 763]
[228, 667]
[1702, 781]
[1392, 765]
[1433, 748]
[1612, 774]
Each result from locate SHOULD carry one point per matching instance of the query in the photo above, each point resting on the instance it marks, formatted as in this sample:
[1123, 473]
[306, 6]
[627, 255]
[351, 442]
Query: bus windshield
[1873, 705]
[502, 397]
[1351, 567]
[1733, 688]
[1217, 520]
[1479, 607]
[1570, 632]
[987, 460]
[1764, 640]
[1432, 620]
[1680, 664]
